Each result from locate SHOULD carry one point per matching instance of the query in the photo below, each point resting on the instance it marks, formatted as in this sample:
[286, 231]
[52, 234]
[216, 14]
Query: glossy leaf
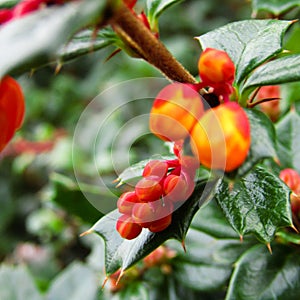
[155, 8]
[281, 70]
[17, 284]
[288, 132]
[248, 43]
[258, 203]
[121, 253]
[275, 7]
[263, 141]
[260, 275]
[49, 29]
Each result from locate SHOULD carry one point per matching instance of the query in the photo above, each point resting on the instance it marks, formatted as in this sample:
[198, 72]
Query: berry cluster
[165, 185]
[292, 179]
[12, 108]
[25, 7]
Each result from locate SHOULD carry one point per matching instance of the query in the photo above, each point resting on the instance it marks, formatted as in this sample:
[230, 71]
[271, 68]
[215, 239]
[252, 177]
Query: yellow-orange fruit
[221, 138]
[215, 66]
[175, 111]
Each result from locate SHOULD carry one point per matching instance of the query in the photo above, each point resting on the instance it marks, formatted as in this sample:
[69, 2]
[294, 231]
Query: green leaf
[259, 275]
[122, 253]
[212, 248]
[288, 132]
[8, 3]
[134, 290]
[17, 284]
[76, 282]
[49, 29]
[67, 194]
[275, 7]
[281, 70]
[248, 43]
[85, 42]
[258, 203]
[263, 141]
[155, 8]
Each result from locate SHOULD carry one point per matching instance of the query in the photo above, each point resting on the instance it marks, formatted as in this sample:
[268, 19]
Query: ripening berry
[149, 189]
[157, 168]
[127, 228]
[175, 111]
[215, 66]
[146, 213]
[178, 188]
[26, 6]
[126, 201]
[270, 108]
[161, 224]
[221, 138]
[12, 108]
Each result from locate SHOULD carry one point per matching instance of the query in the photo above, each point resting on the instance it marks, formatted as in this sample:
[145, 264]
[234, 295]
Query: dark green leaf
[68, 195]
[49, 29]
[76, 282]
[125, 253]
[17, 284]
[275, 7]
[249, 43]
[263, 141]
[85, 42]
[134, 290]
[8, 3]
[281, 70]
[258, 203]
[155, 8]
[288, 132]
[287, 237]
[258, 275]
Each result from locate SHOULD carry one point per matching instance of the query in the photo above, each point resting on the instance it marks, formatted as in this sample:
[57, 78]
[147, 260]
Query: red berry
[126, 201]
[147, 213]
[157, 168]
[127, 228]
[12, 108]
[5, 15]
[160, 224]
[25, 7]
[130, 3]
[149, 189]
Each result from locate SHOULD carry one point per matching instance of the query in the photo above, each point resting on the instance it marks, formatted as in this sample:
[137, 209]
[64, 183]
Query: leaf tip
[86, 232]
[58, 68]
[294, 228]
[104, 282]
[120, 276]
[241, 238]
[183, 245]
[269, 248]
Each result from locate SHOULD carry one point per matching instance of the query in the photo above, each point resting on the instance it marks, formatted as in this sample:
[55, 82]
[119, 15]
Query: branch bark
[143, 42]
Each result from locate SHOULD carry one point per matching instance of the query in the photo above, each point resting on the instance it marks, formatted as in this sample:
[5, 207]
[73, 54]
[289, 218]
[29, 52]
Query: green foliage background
[43, 211]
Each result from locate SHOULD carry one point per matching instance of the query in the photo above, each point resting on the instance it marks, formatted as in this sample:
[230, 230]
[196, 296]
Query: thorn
[117, 180]
[120, 276]
[113, 54]
[276, 160]
[86, 232]
[241, 239]
[58, 68]
[31, 73]
[104, 282]
[119, 184]
[269, 248]
[294, 228]
[183, 245]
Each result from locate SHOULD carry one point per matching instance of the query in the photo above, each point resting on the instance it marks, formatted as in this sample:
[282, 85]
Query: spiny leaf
[258, 203]
[121, 253]
[249, 43]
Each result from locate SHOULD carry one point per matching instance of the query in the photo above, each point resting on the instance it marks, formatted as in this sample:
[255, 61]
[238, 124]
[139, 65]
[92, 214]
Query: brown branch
[135, 34]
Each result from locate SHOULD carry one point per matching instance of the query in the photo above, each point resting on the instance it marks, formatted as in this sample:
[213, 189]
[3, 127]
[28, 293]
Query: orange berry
[127, 228]
[157, 168]
[221, 138]
[126, 201]
[160, 224]
[149, 189]
[12, 108]
[175, 111]
[215, 66]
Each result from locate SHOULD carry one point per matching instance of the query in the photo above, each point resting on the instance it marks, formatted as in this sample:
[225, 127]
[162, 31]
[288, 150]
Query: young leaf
[248, 43]
[258, 203]
[259, 275]
[121, 253]
[155, 8]
[281, 70]
[288, 132]
[263, 141]
[275, 7]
